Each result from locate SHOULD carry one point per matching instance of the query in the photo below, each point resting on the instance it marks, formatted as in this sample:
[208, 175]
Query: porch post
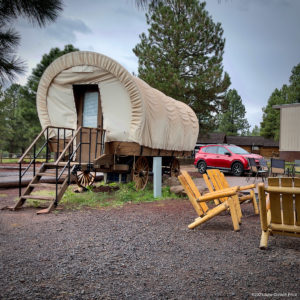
[157, 177]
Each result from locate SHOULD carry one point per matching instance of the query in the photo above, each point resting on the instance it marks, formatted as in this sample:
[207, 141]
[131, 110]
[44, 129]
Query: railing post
[56, 187]
[64, 138]
[47, 145]
[69, 169]
[20, 179]
[57, 143]
[103, 141]
[80, 145]
[96, 147]
[34, 149]
[90, 144]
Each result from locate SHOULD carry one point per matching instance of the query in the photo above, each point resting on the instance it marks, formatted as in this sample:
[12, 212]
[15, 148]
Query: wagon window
[90, 109]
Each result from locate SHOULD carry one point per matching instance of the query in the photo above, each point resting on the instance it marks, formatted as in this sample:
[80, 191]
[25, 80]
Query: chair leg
[264, 239]
[233, 213]
[254, 202]
[210, 214]
[238, 208]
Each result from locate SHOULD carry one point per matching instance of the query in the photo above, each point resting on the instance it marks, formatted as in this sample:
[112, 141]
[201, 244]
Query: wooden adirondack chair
[219, 181]
[200, 206]
[283, 215]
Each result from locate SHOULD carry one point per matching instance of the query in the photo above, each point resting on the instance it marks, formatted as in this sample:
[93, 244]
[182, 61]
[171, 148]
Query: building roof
[212, 138]
[286, 105]
[221, 138]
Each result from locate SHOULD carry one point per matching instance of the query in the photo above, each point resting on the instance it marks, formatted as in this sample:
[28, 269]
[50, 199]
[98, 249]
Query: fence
[14, 157]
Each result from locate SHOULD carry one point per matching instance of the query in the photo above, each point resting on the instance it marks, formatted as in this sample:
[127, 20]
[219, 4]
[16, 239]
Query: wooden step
[44, 185]
[49, 174]
[38, 197]
[62, 164]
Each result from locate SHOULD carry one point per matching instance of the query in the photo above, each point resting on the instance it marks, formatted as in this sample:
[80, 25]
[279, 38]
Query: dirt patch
[105, 189]
[196, 175]
[140, 251]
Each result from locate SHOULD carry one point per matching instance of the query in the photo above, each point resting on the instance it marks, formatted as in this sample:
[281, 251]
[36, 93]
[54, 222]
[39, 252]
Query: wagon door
[89, 117]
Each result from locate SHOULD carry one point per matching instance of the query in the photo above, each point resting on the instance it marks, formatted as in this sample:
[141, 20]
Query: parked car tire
[201, 166]
[237, 169]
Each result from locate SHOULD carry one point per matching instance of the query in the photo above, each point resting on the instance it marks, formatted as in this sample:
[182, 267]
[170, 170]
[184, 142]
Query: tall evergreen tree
[233, 120]
[28, 93]
[11, 123]
[182, 56]
[19, 123]
[255, 131]
[271, 117]
[270, 124]
[37, 12]
[295, 84]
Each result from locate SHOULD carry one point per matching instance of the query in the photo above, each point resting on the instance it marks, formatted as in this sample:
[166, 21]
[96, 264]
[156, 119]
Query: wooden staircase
[55, 177]
[59, 174]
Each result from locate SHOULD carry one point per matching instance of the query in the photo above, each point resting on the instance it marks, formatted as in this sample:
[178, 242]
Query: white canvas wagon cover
[132, 110]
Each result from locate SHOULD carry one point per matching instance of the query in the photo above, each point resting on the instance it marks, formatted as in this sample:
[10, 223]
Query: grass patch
[39, 203]
[3, 195]
[125, 194]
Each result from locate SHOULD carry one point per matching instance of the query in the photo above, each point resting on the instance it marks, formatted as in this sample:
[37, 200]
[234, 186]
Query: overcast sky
[262, 40]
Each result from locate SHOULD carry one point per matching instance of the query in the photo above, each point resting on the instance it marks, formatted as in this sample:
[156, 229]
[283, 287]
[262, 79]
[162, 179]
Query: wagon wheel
[85, 178]
[174, 168]
[140, 173]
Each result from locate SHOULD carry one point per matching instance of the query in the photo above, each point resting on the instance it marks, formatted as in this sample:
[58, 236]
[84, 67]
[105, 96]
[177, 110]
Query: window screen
[90, 109]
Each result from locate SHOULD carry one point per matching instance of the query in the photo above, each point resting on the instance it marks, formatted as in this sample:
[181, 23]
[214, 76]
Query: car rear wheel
[237, 169]
[201, 167]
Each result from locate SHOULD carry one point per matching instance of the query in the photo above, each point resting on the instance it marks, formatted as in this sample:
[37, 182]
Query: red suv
[224, 157]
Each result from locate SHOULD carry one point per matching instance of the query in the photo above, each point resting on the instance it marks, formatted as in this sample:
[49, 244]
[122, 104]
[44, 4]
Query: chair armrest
[218, 194]
[247, 187]
[285, 190]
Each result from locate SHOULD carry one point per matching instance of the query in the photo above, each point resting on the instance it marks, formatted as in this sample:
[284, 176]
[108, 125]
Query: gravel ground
[140, 251]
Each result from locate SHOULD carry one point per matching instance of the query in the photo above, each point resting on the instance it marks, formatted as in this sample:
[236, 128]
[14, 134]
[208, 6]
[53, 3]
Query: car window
[237, 150]
[222, 150]
[212, 149]
[203, 149]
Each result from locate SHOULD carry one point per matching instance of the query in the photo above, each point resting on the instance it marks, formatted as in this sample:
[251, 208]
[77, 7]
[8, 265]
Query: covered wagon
[96, 116]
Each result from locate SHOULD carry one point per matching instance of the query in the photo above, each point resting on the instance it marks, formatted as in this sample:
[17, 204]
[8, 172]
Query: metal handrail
[37, 138]
[68, 147]
[36, 154]
[32, 144]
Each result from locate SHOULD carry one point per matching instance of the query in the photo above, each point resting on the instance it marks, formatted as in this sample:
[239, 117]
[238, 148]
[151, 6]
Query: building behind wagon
[289, 141]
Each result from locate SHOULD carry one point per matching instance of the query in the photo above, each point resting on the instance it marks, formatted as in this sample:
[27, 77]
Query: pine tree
[232, 120]
[28, 94]
[37, 12]
[270, 124]
[255, 131]
[11, 123]
[182, 56]
[19, 123]
[295, 84]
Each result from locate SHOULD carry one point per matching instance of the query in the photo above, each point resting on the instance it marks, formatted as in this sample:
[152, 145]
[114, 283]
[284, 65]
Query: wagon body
[120, 117]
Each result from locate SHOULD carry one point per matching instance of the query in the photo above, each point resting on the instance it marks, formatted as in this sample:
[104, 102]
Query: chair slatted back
[218, 180]
[275, 202]
[210, 188]
[297, 202]
[282, 204]
[287, 203]
[193, 193]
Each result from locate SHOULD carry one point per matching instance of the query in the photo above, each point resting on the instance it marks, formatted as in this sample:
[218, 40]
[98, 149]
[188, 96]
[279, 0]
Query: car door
[223, 160]
[210, 156]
